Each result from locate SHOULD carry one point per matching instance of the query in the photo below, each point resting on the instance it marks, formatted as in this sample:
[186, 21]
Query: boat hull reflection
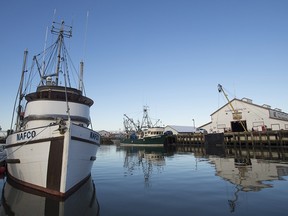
[19, 201]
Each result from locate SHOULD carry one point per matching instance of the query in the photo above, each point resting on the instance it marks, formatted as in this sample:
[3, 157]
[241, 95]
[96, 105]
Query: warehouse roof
[182, 129]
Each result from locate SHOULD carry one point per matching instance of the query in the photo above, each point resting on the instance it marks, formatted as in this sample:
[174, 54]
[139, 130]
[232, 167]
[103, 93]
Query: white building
[104, 133]
[246, 115]
[180, 129]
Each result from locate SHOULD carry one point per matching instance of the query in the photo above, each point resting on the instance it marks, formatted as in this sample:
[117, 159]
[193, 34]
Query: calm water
[152, 181]
[133, 181]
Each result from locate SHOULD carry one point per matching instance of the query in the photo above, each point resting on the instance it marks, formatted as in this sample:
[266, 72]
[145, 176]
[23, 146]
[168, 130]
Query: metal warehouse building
[240, 115]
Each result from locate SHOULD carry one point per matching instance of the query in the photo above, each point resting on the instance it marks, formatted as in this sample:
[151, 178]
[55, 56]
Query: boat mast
[146, 122]
[61, 33]
[19, 108]
[44, 52]
[60, 40]
[81, 76]
[220, 89]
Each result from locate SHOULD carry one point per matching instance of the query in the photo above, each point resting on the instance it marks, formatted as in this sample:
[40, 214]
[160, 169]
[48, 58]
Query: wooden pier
[242, 145]
[249, 139]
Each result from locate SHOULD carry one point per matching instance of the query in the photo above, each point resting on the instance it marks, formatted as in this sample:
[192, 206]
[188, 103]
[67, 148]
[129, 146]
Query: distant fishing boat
[52, 148]
[146, 134]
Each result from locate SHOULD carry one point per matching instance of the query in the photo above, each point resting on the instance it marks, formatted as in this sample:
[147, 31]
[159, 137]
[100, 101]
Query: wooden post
[269, 144]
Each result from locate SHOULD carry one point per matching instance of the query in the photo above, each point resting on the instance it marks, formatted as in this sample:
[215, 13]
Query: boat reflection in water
[16, 201]
[149, 159]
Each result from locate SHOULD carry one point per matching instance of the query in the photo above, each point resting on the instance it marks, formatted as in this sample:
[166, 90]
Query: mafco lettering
[26, 135]
[94, 136]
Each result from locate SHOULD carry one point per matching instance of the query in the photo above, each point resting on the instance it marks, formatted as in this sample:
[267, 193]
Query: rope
[5, 157]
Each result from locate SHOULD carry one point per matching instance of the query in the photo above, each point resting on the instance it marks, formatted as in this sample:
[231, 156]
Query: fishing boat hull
[53, 159]
[147, 141]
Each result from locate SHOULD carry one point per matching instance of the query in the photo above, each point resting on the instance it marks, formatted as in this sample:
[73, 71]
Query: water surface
[154, 181]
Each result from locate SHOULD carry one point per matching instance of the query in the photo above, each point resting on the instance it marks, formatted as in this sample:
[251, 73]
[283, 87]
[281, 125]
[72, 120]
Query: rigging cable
[66, 98]
[66, 66]
[6, 156]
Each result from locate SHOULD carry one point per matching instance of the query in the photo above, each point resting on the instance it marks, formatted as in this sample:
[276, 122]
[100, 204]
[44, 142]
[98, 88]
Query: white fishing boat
[52, 148]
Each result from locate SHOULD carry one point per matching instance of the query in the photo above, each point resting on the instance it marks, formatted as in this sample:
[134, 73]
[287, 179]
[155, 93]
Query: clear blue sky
[167, 54]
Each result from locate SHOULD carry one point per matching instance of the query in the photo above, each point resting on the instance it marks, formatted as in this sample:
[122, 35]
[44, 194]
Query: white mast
[60, 39]
[146, 121]
[19, 108]
[61, 33]
[81, 76]
[44, 51]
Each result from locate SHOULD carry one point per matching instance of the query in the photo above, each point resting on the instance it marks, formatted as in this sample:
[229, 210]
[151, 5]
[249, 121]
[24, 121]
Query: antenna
[85, 35]
[54, 15]
[45, 43]
[81, 76]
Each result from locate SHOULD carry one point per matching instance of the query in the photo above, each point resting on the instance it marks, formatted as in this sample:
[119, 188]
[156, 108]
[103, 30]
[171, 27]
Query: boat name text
[94, 136]
[26, 135]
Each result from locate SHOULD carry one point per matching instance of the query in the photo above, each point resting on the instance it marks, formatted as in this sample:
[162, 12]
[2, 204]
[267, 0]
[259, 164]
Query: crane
[129, 120]
[220, 89]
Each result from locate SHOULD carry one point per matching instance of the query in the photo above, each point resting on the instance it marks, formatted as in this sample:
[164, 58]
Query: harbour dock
[249, 139]
[242, 145]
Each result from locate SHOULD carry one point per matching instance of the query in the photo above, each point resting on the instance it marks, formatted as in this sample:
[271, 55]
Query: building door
[236, 126]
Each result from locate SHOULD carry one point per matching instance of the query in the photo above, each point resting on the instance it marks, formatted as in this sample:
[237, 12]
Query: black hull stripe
[54, 168]
[85, 140]
[12, 161]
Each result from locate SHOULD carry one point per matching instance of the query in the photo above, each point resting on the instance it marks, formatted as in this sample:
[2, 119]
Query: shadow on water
[15, 201]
